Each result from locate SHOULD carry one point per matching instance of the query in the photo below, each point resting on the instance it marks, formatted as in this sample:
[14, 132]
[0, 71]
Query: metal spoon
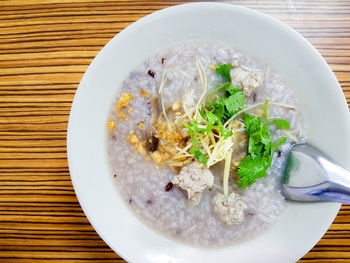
[310, 176]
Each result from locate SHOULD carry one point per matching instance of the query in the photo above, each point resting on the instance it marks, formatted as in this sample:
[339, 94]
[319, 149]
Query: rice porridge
[196, 140]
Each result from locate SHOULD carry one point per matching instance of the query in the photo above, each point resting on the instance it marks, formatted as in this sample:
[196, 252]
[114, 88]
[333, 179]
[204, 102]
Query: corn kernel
[121, 115]
[141, 149]
[134, 139]
[141, 126]
[130, 109]
[176, 106]
[178, 113]
[212, 66]
[157, 158]
[111, 125]
[126, 119]
[125, 98]
[145, 93]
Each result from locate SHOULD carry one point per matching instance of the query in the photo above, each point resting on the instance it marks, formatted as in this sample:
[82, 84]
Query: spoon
[310, 176]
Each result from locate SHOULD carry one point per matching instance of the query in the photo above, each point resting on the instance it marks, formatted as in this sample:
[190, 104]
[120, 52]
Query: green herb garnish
[228, 102]
[260, 149]
[281, 141]
[251, 169]
[282, 124]
[199, 155]
[223, 86]
[223, 70]
[216, 113]
[192, 130]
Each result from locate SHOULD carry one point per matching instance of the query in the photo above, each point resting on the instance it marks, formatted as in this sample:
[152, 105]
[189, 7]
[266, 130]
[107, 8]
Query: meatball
[194, 178]
[230, 208]
[246, 80]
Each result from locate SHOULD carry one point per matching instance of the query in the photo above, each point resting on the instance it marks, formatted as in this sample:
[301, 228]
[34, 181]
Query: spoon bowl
[310, 176]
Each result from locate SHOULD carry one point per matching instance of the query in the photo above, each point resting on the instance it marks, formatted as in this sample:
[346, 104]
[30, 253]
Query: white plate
[261, 36]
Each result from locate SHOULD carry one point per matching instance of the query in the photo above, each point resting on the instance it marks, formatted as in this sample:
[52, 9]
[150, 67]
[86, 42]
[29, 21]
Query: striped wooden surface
[45, 47]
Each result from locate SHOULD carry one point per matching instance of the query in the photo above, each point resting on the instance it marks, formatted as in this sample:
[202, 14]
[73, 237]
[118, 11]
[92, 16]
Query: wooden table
[45, 48]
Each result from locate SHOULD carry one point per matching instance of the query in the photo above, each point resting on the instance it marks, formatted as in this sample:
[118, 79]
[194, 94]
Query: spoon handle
[326, 191]
[337, 187]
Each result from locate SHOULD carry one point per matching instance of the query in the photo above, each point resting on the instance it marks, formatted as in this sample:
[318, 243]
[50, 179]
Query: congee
[196, 139]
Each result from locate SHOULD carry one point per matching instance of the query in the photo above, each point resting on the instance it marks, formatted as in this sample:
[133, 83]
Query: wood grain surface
[45, 48]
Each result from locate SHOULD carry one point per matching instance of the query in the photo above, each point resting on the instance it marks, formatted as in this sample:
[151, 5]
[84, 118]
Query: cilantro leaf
[232, 90]
[260, 140]
[213, 119]
[260, 150]
[266, 140]
[235, 102]
[219, 108]
[226, 106]
[282, 124]
[251, 169]
[223, 70]
[252, 123]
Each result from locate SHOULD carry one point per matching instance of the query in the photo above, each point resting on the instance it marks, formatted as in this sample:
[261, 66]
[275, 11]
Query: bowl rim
[130, 28]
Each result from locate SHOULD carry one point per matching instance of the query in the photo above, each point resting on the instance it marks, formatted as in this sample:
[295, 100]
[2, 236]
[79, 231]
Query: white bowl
[300, 225]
